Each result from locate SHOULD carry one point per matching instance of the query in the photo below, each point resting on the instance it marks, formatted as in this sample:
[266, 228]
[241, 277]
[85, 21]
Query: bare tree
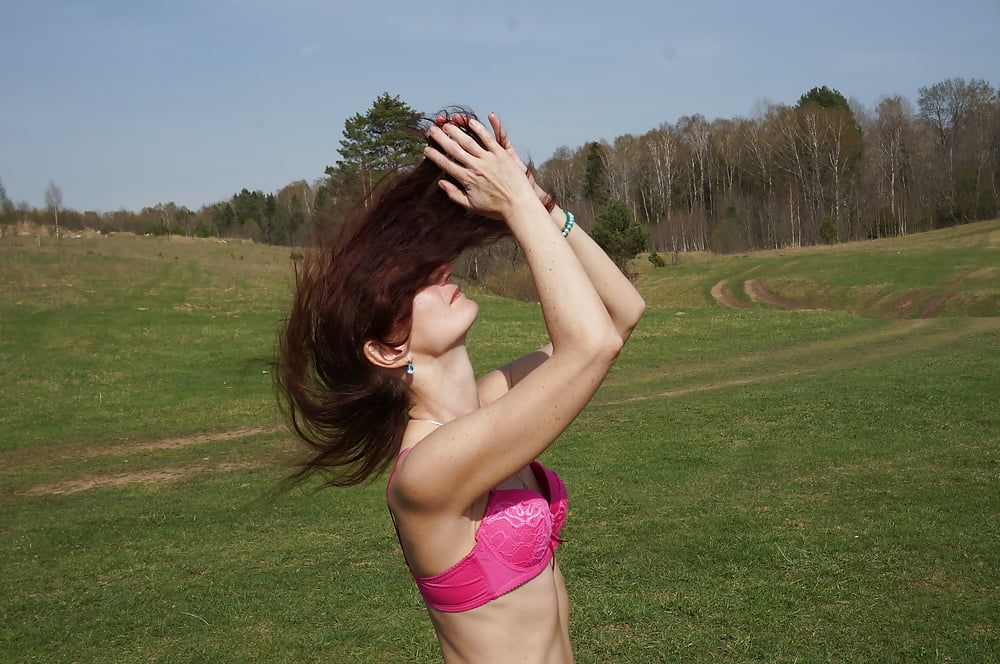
[949, 106]
[658, 165]
[53, 200]
[891, 154]
[560, 174]
[663, 149]
[695, 134]
[761, 151]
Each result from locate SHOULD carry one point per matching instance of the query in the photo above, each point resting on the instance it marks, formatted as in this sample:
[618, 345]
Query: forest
[822, 170]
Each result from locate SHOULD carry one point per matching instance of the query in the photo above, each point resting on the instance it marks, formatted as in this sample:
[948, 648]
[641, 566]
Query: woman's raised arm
[494, 184]
[622, 300]
[462, 460]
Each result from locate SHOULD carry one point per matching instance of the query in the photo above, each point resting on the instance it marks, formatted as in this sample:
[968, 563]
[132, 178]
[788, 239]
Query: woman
[376, 373]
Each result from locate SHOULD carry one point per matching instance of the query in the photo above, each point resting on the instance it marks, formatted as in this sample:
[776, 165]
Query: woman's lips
[458, 291]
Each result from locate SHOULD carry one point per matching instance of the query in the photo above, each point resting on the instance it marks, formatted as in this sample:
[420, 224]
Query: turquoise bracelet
[570, 221]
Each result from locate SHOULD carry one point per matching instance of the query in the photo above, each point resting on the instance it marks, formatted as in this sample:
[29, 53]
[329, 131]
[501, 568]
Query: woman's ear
[385, 356]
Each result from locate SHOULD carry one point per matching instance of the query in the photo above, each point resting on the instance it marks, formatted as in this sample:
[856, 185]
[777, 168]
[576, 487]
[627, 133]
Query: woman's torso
[527, 624]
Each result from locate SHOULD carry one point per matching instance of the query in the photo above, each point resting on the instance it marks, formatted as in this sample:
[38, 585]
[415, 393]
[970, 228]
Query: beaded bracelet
[570, 221]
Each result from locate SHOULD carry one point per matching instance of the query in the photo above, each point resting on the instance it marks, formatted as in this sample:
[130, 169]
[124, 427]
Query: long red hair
[359, 285]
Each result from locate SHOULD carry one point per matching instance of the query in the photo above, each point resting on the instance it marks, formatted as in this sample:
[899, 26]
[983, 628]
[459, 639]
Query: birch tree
[53, 201]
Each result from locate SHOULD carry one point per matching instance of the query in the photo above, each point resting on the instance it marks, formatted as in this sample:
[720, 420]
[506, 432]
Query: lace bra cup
[515, 540]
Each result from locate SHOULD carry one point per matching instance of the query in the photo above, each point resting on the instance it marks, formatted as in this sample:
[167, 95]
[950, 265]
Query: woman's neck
[444, 388]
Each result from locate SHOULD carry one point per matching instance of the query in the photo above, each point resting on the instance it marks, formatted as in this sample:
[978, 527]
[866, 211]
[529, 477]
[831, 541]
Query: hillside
[948, 272]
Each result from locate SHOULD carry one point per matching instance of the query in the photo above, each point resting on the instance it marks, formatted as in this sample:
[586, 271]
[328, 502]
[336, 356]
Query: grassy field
[955, 270]
[750, 484]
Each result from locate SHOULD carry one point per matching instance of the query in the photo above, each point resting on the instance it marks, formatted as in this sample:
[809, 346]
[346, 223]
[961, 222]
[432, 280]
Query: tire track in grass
[171, 443]
[934, 306]
[758, 293]
[152, 476]
[722, 295]
[274, 459]
[807, 350]
[14, 464]
[861, 358]
[901, 306]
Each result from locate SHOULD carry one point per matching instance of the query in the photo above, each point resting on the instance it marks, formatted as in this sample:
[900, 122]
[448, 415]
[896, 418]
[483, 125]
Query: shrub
[827, 233]
[204, 229]
[618, 233]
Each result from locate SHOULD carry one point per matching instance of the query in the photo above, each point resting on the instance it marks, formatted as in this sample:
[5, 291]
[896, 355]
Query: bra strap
[395, 526]
[440, 424]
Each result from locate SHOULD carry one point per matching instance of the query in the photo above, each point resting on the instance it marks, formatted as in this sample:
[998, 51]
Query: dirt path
[681, 391]
[15, 462]
[903, 306]
[819, 363]
[934, 306]
[157, 476]
[758, 293]
[874, 355]
[722, 295]
[172, 443]
[799, 353]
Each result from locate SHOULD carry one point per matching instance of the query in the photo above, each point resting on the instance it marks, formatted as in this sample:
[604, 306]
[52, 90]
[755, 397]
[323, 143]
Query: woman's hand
[491, 179]
[503, 141]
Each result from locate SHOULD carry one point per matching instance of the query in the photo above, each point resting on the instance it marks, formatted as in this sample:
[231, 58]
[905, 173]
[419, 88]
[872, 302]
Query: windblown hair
[357, 286]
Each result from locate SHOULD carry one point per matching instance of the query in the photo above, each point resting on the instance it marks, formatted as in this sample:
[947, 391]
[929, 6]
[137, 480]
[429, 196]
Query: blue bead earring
[409, 367]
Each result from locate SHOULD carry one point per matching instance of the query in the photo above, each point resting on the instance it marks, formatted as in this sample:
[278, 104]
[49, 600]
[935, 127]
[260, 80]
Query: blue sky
[131, 103]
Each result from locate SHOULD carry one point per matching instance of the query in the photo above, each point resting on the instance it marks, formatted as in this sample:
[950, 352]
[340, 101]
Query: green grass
[871, 278]
[748, 486]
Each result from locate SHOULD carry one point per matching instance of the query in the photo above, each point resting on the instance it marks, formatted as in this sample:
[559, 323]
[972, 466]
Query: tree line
[272, 218]
[822, 170]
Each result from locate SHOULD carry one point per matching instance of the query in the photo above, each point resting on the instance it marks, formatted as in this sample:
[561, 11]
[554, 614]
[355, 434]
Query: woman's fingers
[453, 145]
[502, 139]
[454, 193]
[463, 139]
[484, 135]
[448, 145]
[447, 165]
[457, 119]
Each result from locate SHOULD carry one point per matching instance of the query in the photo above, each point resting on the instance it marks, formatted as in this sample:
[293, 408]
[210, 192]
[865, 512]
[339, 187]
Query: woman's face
[442, 315]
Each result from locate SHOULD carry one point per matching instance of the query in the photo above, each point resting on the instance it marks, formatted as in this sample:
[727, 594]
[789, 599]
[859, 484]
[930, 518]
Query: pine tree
[376, 143]
[618, 233]
[595, 180]
[825, 97]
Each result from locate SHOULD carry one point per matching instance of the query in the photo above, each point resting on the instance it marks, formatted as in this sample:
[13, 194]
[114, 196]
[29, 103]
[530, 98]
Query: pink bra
[515, 540]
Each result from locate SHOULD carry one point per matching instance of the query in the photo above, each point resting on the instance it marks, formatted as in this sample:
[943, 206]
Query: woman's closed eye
[442, 275]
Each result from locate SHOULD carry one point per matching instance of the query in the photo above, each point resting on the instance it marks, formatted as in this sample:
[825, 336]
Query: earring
[409, 367]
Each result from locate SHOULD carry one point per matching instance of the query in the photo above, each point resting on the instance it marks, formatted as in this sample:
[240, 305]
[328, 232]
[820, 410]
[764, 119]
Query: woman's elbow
[630, 320]
[639, 311]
